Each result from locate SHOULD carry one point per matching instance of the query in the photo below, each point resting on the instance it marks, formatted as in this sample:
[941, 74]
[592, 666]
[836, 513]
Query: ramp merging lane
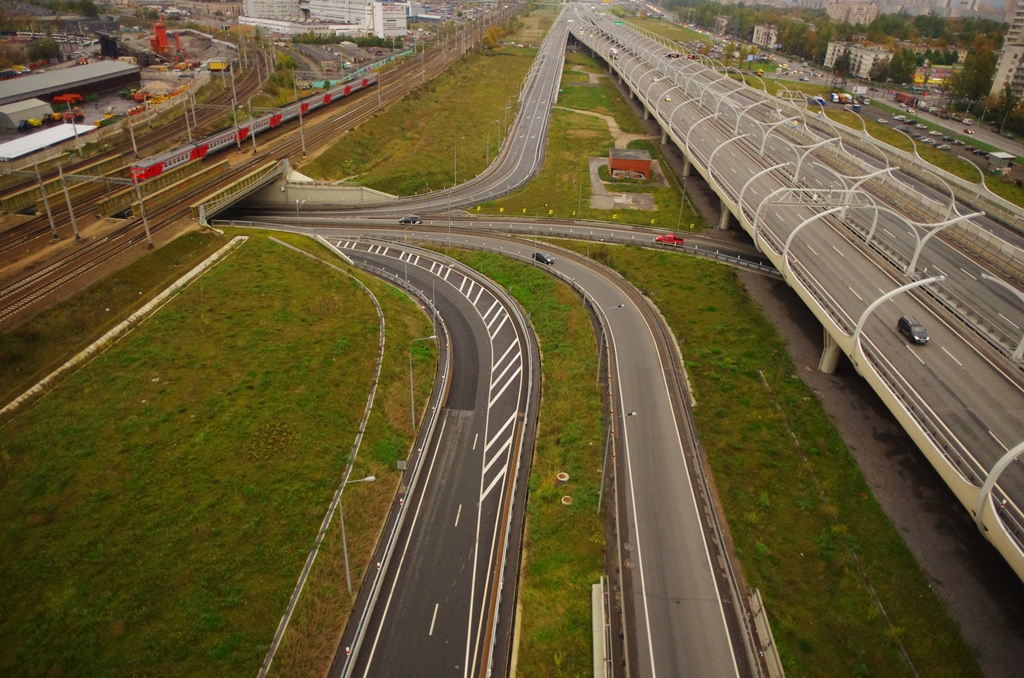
[438, 607]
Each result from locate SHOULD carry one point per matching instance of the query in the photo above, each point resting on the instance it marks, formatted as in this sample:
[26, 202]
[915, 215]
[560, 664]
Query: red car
[669, 239]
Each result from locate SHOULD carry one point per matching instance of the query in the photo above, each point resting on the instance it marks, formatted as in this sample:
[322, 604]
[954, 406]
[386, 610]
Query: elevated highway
[847, 229]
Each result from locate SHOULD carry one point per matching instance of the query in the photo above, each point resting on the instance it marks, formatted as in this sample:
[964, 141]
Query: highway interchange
[957, 394]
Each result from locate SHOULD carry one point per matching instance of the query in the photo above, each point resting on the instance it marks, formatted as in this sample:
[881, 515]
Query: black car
[903, 128]
[544, 258]
[912, 329]
[411, 219]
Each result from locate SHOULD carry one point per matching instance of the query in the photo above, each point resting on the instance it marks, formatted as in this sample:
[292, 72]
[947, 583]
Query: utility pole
[302, 133]
[184, 105]
[46, 202]
[67, 197]
[252, 132]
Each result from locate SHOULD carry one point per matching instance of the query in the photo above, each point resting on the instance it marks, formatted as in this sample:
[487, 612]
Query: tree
[1005, 104]
[46, 48]
[880, 71]
[901, 66]
[841, 66]
[974, 80]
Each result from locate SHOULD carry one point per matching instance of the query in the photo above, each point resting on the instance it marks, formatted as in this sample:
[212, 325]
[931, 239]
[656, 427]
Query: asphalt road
[434, 610]
[973, 398]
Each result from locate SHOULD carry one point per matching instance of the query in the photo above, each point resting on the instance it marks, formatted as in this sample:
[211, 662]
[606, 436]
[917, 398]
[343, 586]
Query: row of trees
[806, 33]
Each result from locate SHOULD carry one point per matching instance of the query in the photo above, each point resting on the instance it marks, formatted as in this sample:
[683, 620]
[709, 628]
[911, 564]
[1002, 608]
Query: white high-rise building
[380, 19]
[1010, 68]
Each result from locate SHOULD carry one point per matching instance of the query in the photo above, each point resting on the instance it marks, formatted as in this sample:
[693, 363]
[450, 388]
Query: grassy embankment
[572, 138]
[668, 30]
[772, 85]
[564, 548]
[806, 528]
[159, 504]
[40, 345]
[947, 161]
[410, 148]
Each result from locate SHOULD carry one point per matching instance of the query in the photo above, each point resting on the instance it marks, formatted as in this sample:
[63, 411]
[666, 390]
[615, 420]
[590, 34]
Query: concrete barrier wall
[316, 193]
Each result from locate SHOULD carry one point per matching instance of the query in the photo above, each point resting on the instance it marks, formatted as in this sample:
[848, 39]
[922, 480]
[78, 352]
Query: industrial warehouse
[93, 78]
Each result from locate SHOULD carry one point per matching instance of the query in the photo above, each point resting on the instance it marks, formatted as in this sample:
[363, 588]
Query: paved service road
[435, 614]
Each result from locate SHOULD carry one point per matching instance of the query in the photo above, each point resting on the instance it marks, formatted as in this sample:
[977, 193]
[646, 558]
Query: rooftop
[35, 85]
[628, 154]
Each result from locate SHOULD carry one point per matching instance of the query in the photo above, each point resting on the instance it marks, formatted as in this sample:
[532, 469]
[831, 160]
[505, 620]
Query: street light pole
[344, 540]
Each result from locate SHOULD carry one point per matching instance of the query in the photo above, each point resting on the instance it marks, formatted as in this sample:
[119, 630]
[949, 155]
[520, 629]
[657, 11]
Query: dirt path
[621, 138]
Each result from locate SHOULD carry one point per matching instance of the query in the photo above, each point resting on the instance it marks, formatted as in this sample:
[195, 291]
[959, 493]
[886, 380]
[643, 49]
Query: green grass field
[40, 345]
[564, 548]
[158, 505]
[572, 137]
[668, 30]
[604, 99]
[411, 147]
[878, 131]
[805, 526]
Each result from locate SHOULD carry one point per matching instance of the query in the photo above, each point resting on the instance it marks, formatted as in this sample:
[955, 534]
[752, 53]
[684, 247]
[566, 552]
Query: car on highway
[411, 219]
[544, 258]
[668, 99]
[669, 239]
[912, 329]
[968, 131]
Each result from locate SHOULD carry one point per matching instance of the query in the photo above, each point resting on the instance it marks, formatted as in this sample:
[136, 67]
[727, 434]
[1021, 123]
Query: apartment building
[862, 57]
[853, 13]
[765, 36]
[1010, 68]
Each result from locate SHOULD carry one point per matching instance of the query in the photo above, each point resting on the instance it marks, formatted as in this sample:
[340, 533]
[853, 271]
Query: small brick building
[627, 163]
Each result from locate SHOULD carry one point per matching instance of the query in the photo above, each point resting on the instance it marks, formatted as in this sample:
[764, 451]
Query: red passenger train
[158, 164]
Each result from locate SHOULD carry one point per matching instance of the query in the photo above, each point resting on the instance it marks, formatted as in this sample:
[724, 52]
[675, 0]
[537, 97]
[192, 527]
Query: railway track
[320, 127]
[39, 226]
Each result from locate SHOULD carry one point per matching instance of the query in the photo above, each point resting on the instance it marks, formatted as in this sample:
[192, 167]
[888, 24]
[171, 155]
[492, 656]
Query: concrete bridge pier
[829, 354]
[723, 222]
[647, 114]
[664, 139]
[631, 94]
[687, 167]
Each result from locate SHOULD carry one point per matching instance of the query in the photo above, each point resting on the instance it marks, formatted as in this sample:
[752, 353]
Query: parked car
[901, 118]
[968, 121]
[957, 142]
[943, 147]
[411, 219]
[902, 128]
[912, 329]
[544, 258]
[920, 126]
[928, 140]
[669, 239]
[935, 133]
[882, 121]
[948, 138]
